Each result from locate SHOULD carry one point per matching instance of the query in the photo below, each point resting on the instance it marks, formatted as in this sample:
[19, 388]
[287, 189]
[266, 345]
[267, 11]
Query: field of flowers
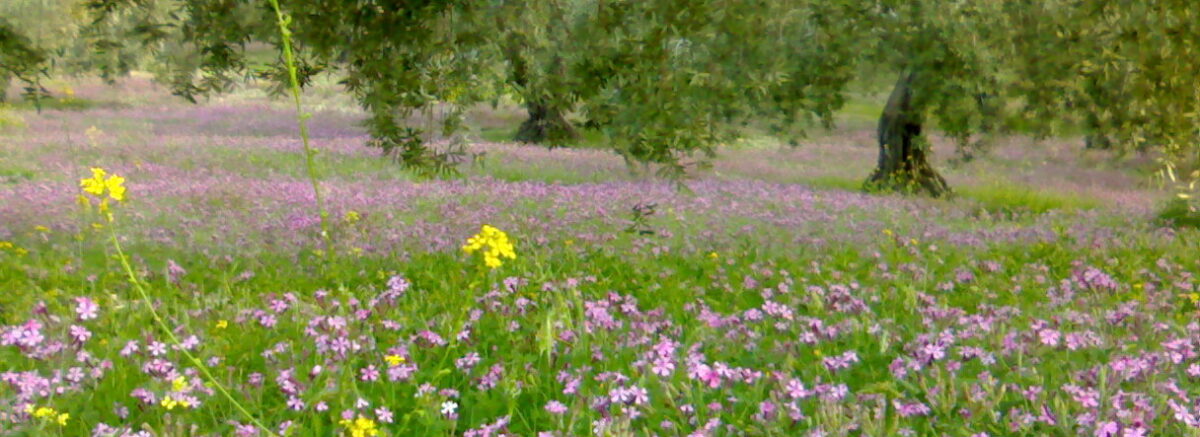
[559, 293]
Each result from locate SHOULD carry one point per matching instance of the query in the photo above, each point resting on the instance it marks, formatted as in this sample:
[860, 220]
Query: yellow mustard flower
[179, 384]
[394, 360]
[222, 324]
[95, 184]
[100, 183]
[62, 419]
[170, 403]
[493, 244]
[44, 412]
[116, 187]
[352, 216]
[41, 229]
[360, 427]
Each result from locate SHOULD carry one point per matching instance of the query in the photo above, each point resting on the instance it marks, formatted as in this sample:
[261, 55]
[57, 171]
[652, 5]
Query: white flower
[449, 407]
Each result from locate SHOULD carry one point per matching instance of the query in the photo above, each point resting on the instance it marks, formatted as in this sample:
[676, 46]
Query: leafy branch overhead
[667, 81]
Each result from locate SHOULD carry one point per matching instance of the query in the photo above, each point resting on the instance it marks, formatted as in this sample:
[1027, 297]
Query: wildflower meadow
[559, 218]
[165, 274]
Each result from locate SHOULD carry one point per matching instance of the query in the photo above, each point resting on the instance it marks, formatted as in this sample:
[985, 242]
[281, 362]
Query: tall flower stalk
[310, 153]
[112, 187]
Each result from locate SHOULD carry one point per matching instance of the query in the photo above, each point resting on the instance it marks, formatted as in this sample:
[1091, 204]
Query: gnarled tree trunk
[545, 125]
[903, 151]
[1092, 138]
[5, 80]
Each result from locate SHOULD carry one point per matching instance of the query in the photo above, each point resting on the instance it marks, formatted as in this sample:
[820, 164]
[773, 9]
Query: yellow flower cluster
[98, 185]
[179, 384]
[393, 360]
[170, 403]
[496, 243]
[47, 414]
[9, 246]
[360, 427]
[1194, 297]
[352, 217]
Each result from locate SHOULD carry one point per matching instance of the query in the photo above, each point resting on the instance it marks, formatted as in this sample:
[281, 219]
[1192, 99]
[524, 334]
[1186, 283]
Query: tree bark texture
[903, 151]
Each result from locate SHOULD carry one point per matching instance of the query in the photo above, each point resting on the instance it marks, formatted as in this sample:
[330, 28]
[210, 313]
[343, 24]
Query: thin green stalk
[162, 324]
[302, 119]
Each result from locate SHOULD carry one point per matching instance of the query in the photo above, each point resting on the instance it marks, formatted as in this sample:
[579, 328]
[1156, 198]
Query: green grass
[447, 286]
[1013, 198]
[588, 138]
[1179, 214]
[830, 182]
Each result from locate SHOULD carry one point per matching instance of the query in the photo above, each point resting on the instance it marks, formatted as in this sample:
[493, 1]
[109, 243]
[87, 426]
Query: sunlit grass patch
[1015, 198]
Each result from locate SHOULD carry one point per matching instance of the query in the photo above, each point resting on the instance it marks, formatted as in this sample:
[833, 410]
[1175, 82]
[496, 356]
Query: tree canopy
[668, 81]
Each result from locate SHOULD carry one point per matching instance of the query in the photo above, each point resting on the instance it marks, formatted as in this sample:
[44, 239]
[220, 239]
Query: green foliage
[18, 56]
[1009, 198]
[1130, 69]
[668, 80]
[1179, 213]
[59, 36]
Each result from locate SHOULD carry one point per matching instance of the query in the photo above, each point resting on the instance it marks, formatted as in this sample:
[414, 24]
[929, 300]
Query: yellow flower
[569, 242]
[497, 244]
[179, 384]
[6, 245]
[95, 185]
[360, 427]
[47, 413]
[44, 412]
[887, 232]
[116, 187]
[713, 255]
[394, 360]
[169, 403]
[222, 324]
[352, 216]
[41, 228]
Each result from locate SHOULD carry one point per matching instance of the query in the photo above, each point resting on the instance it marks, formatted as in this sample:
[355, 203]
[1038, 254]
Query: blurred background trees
[668, 81]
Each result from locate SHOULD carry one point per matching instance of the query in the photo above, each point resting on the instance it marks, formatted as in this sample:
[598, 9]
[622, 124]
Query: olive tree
[668, 81]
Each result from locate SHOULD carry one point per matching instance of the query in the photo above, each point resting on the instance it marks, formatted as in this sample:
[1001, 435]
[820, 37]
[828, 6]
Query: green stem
[162, 324]
[302, 119]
